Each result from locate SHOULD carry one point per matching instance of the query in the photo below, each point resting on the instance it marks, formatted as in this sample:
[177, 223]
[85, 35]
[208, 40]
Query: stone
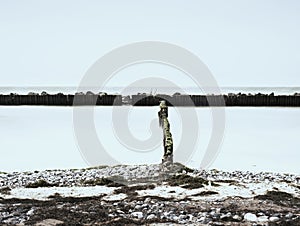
[49, 222]
[151, 217]
[228, 214]
[175, 218]
[263, 219]
[191, 217]
[30, 212]
[250, 217]
[183, 217]
[225, 216]
[147, 200]
[274, 219]
[138, 207]
[207, 220]
[138, 215]
[202, 219]
[145, 205]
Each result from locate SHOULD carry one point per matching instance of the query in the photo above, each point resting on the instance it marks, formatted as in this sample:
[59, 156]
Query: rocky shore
[148, 195]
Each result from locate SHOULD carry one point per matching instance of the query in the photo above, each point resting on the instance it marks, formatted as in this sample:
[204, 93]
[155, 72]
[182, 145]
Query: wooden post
[167, 140]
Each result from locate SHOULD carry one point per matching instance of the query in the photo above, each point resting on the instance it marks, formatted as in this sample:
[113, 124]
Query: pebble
[120, 211]
[147, 200]
[276, 215]
[151, 217]
[224, 216]
[237, 218]
[274, 219]
[175, 218]
[182, 217]
[145, 205]
[30, 212]
[202, 219]
[49, 222]
[139, 215]
[260, 214]
[137, 207]
[263, 219]
[250, 217]
[75, 177]
[207, 220]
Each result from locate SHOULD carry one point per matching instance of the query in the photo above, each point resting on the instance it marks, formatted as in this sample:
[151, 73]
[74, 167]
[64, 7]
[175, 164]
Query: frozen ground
[256, 139]
[77, 183]
[148, 195]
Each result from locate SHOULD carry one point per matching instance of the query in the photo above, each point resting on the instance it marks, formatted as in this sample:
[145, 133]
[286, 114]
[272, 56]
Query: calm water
[256, 139]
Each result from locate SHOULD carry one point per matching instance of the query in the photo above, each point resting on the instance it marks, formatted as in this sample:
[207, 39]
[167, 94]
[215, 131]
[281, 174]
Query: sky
[243, 42]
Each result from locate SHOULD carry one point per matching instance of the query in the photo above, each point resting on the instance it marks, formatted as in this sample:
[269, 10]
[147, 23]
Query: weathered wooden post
[167, 140]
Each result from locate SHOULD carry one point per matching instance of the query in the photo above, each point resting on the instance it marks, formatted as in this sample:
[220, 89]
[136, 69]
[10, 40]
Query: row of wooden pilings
[149, 100]
[218, 100]
[60, 100]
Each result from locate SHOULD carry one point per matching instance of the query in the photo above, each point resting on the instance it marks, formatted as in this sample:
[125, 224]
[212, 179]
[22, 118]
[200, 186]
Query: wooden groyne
[219, 100]
[238, 100]
[60, 100]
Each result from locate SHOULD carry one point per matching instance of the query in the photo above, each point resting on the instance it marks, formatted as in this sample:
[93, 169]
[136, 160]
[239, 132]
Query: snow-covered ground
[43, 193]
[256, 139]
[164, 191]
[188, 197]
[73, 183]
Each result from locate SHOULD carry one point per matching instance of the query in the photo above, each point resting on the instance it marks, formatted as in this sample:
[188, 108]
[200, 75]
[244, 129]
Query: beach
[148, 195]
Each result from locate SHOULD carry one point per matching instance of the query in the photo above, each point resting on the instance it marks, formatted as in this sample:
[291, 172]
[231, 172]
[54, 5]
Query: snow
[42, 193]
[116, 197]
[225, 190]
[252, 189]
[165, 192]
[242, 190]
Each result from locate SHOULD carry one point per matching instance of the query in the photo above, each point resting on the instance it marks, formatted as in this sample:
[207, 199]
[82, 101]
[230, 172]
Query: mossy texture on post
[167, 140]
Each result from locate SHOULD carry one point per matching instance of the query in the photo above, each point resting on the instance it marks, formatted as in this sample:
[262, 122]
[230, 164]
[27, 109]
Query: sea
[254, 139]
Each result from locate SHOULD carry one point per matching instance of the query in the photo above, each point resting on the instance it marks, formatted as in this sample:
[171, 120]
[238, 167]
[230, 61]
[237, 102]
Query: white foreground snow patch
[116, 197]
[165, 192]
[44, 193]
[223, 191]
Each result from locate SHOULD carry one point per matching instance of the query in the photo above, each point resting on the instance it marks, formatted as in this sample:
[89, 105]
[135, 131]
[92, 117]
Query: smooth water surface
[255, 139]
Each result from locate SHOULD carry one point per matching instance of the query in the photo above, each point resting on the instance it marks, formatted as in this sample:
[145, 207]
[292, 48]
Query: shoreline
[145, 195]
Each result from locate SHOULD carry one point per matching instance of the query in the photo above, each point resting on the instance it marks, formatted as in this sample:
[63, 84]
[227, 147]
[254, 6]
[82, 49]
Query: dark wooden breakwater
[219, 100]
[153, 100]
[61, 100]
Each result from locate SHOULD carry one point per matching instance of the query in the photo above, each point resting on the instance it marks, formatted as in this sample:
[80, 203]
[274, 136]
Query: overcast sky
[244, 43]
